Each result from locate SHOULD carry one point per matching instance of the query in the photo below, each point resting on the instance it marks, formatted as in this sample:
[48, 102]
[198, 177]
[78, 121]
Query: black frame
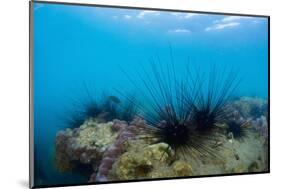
[31, 112]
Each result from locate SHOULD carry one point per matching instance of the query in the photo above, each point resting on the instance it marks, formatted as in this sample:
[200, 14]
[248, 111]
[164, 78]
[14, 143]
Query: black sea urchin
[128, 109]
[102, 109]
[207, 97]
[238, 129]
[168, 115]
[73, 119]
[82, 108]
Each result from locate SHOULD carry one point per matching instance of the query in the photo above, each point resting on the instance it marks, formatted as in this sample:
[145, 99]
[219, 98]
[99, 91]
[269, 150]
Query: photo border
[31, 92]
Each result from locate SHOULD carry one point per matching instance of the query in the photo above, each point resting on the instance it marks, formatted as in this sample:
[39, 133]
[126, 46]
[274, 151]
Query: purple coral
[126, 132]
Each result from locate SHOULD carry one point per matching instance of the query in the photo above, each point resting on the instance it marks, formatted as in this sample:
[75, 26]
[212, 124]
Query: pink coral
[126, 132]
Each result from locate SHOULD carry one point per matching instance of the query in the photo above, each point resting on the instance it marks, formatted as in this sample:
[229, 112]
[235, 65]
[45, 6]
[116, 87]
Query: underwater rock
[85, 144]
[160, 152]
[126, 133]
[240, 155]
[111, 153]
[254, 166]
[132, 166]
[252, 110]
[182, 168]
[61, 159]
[137, 165]
[250, 107]
[261, 125]
[147, 161]
[120, 151]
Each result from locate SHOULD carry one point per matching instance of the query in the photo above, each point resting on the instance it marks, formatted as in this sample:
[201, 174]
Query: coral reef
[114, 151]
[239, 156]
[261, 125]
[253, 110]
[250, 107]
[120, 151]
[182, 168]
[142, 161]
[85, 144]
[149, 161]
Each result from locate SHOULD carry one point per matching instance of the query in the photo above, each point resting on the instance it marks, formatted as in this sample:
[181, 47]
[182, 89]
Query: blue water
[74, 45]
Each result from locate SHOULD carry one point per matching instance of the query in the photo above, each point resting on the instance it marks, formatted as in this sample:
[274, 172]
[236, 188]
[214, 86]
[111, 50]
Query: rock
[85, 144]
[160, 152]
[254, 166]
[182, 168]
[261, 125]
[141, 163]
[250, 107]
[62, 160]
[132, 166]
[125, 134]
[122, 151]
[252, 110]
[240, 155]
[152, 161]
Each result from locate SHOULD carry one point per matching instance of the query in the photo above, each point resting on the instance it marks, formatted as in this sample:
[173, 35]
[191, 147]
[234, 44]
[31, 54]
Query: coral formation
[261, 125]
[85, 144]
[141, 162]
[250, 107]
[253, 110]
[114, 151]
[120, 151]
[144, 161]
[182, 168]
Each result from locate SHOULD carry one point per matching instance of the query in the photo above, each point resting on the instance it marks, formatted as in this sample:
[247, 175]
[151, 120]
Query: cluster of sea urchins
[186, 112]
[103, 109]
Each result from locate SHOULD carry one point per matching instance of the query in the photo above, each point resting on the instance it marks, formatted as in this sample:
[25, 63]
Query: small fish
[114, 99]
[102, 116]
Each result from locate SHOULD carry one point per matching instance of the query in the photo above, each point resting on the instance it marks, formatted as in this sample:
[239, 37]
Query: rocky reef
[114, 150]
[148, 161]
[254, 110]
[126, 133]
[85, 144]
[143, 161]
